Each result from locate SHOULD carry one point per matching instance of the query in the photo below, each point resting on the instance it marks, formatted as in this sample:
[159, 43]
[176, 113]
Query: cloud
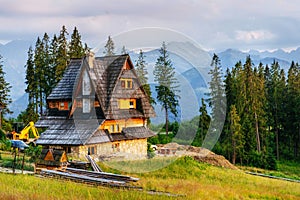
[254, 35]
[214, 23]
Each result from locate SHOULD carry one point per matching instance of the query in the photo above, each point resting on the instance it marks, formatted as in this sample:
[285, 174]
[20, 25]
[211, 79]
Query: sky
[213, 24]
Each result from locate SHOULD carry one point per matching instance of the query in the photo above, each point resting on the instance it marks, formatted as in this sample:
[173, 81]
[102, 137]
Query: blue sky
[215, 24]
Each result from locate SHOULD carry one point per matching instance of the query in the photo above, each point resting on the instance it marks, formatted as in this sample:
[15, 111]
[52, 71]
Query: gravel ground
[17, 171]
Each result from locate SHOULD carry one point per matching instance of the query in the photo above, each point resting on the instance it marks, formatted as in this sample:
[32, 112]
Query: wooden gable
[49, 155]
[127, 64]
[60, 156]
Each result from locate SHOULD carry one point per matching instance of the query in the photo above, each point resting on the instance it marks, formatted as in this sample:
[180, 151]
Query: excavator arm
[24, 134]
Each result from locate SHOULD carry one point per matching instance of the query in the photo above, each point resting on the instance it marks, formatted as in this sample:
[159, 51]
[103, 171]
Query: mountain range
[191, 64]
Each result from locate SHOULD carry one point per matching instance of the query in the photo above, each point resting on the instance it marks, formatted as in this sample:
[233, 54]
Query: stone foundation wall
[128, 150]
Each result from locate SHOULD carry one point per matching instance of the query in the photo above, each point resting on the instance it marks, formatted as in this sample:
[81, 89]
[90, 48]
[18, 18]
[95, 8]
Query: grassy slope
[184, 176]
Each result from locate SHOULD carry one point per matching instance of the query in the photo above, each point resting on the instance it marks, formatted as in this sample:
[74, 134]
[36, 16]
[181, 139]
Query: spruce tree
[217, 89]
[63, 58]
[282, 114]
[54, 62]
[293, 107]
[217, 102]
[30, 77]
[46, 80]
[109, 47]
[5, 87]
[164, 75]
[39, 74]
[275, 94]
[76, 49]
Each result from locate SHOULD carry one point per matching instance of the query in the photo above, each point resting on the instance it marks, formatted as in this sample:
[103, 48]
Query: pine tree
[258, 100]
[109, 47]
[142, 74]
[164, 75]
[275, 93]
[30, 77]
[5, 87]
[63, 58]
[54, 62]
[217, 102]
[282, 116]
[124, 51]
[237, 140]
[76, 49]
[47, 68]
[217, 89]
[293, 107]
[39, 74]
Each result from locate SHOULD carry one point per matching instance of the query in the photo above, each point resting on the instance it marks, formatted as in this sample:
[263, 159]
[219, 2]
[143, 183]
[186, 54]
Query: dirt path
[17, 171]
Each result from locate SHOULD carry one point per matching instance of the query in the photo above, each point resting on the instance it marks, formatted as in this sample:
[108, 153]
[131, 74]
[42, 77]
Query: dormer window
[126, 83]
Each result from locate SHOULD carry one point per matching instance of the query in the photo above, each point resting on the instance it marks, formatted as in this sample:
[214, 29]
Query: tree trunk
[36, 104]
[257, 133]
[277, 142]
[234, 152]
[167, 121]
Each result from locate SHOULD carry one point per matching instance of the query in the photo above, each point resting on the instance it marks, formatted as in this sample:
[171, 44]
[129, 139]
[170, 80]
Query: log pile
[90, 177]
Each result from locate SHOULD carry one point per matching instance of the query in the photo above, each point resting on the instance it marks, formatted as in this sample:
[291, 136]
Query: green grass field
[184, 176]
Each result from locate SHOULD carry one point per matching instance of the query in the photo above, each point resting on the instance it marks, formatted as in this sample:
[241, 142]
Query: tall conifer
[164, 75]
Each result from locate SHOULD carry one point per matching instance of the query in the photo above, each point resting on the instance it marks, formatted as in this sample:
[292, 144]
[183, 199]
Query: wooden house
[98, 108]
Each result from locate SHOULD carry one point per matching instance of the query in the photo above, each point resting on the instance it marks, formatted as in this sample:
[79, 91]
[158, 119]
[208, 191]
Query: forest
[260, 104]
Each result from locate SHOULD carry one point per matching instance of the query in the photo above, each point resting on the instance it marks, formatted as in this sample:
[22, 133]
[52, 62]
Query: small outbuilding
[54, 159]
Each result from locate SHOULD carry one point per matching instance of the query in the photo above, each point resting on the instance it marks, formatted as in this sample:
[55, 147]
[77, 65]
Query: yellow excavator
[24, 134]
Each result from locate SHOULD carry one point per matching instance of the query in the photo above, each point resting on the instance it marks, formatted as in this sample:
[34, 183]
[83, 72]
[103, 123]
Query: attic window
[127, 103]
[126, 83]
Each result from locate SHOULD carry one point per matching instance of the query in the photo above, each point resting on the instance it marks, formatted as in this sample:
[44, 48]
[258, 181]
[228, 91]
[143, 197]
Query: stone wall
[126, 149]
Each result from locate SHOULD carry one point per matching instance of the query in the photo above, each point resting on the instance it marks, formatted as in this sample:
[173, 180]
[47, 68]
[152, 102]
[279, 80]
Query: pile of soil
[200, 154]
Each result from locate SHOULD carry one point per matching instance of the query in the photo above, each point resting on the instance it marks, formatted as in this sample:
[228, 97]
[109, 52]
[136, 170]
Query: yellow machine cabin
[24, 134]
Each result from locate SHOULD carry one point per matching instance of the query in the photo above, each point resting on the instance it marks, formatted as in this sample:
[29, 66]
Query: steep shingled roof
[64, 88]
[73, 132]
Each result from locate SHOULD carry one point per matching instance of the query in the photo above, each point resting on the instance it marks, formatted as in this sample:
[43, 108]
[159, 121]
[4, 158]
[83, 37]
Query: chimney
[90, 58]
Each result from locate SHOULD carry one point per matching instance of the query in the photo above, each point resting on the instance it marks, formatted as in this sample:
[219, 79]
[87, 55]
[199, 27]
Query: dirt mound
[199, 154]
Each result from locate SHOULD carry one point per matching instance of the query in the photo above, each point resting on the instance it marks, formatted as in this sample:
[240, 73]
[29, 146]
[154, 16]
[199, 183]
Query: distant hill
[230, 57]
[14, 59]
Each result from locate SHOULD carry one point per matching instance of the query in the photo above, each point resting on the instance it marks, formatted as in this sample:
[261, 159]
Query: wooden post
[23, 162]
[15, 158]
